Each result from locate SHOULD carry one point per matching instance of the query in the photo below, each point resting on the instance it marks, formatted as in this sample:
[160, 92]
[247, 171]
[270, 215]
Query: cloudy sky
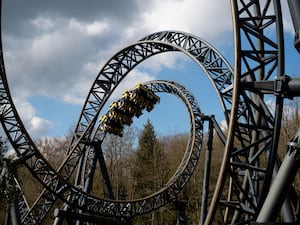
[54, 49]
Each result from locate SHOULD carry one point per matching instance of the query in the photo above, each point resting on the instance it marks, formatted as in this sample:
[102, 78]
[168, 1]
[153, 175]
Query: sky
[53, 51]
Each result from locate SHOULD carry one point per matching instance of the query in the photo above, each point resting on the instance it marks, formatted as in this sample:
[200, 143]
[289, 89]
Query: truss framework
[251, 146]
[214, 65]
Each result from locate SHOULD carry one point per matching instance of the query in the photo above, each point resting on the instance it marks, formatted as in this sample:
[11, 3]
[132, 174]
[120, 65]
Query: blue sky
[54, 49]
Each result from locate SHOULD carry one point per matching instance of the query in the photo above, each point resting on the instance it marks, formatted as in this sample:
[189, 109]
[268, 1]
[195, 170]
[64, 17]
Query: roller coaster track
[109, 77]
[252, 139]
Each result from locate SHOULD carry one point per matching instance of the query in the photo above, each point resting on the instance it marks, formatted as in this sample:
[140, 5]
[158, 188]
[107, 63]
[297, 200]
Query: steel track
[113, 72]
[251, 147]
[253, 132]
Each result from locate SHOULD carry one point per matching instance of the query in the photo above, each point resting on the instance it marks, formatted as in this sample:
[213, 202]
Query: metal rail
[170, 190]
[113, 72]
[251, 145]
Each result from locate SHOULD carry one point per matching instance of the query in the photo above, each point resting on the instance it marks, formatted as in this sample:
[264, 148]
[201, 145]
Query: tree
[290, 125]
[148, 156]
[118, 152]
[290, 122]
[8, 189]
[54, 149]
[149, 170]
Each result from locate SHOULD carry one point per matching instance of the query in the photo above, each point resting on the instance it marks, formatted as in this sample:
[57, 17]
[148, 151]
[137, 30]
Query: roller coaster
[254, 185]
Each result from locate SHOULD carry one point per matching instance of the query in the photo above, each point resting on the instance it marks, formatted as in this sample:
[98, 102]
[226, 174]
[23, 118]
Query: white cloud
[90, 29]
[287, 20]
[59, 53]
[35, 125]
[201, 17]
[224, 125]
[61, 50]
[38, 126]
[134, 77]
[168, 60]
[97, 28]
[43, 23]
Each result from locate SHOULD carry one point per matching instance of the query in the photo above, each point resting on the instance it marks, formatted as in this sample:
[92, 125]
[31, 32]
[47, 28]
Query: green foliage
[138, 171]
[150, 174]
[147, 173]
[136, 168]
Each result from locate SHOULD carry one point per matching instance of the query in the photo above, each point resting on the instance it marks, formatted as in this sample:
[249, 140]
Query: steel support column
[282, 183]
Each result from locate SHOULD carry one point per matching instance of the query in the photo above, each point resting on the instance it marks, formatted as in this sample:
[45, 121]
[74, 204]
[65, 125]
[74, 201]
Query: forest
[140, 163]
